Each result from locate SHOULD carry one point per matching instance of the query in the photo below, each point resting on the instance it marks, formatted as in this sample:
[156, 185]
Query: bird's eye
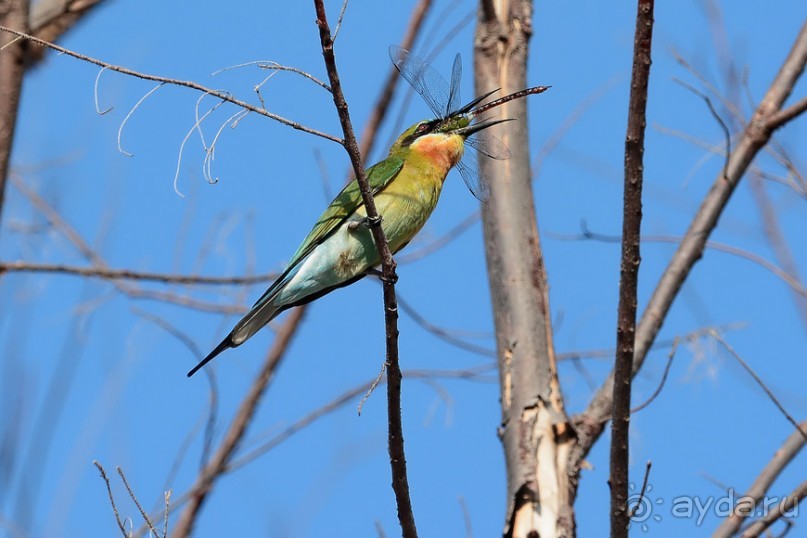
[423, 127]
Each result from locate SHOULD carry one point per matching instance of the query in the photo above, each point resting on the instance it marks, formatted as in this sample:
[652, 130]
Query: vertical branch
[629, 269]
[767, 117]
[534, 431]
[13, 14]
[400, 481]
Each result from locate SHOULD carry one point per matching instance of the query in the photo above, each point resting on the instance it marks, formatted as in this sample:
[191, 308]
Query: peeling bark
[534, 431]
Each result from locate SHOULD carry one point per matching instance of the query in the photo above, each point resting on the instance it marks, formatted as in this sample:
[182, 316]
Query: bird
[340, 249]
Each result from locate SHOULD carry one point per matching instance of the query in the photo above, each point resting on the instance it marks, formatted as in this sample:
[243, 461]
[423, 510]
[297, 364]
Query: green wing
[345, 204]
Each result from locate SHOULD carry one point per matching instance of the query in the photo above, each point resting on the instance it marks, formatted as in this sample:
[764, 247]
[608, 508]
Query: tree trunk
[534, 430]
[13, 14]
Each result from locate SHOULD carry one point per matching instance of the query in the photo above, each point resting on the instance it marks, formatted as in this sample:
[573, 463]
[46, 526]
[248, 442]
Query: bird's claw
[380, 274]
[367, 222]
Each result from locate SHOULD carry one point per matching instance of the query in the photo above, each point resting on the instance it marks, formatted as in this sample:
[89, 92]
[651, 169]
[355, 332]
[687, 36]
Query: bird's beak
[468, 130]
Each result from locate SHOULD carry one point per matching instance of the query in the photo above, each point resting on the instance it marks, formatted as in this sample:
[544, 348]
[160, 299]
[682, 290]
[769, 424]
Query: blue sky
[127, 401]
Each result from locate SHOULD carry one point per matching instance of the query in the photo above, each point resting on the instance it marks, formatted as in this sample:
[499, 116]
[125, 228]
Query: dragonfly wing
[489, 145]
[454, 100]
[469, 170]
[423, 78]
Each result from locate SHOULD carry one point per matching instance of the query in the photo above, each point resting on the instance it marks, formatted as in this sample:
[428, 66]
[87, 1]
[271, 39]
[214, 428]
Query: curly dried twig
[224, 96]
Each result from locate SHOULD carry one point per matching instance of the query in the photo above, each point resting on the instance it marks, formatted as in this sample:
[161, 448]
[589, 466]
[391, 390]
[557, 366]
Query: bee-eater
[406, 185]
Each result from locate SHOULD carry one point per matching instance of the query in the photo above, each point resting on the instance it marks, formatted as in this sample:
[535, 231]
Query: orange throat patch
[443, 151]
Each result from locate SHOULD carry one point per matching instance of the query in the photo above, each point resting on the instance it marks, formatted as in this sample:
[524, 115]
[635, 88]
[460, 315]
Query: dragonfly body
[406, 186]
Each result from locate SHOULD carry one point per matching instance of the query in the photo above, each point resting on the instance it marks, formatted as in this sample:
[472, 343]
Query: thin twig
[783, 116]
[661, 383]
[629, 269]
[438, 243]
[466, 517]
[111, 498]
[137, 503]
[339, 20]
[274, 66]
[128, 274]
[441, 333]
[759, 382]
[794, 283]
[167, 507]
[638, 504]
[776, 239]
[723, 126]
[378, 379]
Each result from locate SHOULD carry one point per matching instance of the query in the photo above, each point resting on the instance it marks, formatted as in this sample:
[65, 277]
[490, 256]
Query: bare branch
[716, 116]
[794, 283]
[777, 242]
[111, 499]
[756, 134]
[642, 491]
[167, 507]
[435, 245]
[400, 481]
[51, 19]
[137, 503]
[783, 116]
[791, 502]
[128, 274]
[224, 96]
[12, 69]
[629, 269]
[534, 431]
[441, 333]
[780, 460]
[274, 66]
[232, 439]
[661, 383]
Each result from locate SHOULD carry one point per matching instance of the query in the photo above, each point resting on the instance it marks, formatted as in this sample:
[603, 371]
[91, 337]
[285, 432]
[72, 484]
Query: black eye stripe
[422, 129]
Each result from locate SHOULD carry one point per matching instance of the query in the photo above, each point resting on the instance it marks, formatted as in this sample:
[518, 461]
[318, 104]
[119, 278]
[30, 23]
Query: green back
[344, 205]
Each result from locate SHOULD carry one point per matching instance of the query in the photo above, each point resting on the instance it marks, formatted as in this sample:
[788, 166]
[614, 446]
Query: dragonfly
[444, 100]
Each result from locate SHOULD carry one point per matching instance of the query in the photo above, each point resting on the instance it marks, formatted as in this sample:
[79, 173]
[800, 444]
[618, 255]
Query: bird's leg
[366, 222]
[372, 271]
